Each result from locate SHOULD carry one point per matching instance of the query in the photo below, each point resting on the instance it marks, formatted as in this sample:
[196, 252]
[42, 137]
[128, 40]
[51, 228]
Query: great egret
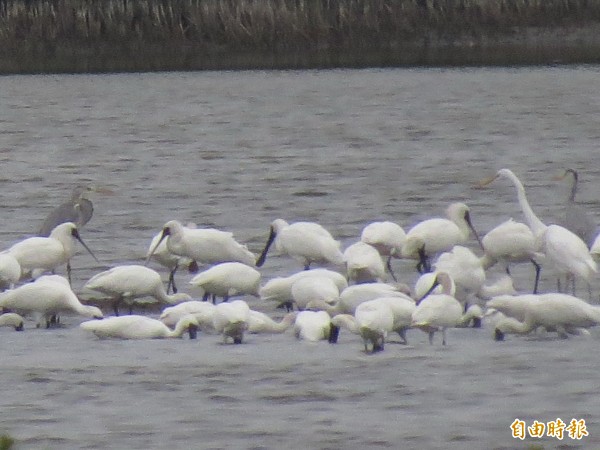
[563, 249]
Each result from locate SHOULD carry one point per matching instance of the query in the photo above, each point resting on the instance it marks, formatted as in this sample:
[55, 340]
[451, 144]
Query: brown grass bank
[126, 35]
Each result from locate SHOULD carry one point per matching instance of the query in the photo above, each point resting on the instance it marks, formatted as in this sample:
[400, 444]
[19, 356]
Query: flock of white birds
[358, 290]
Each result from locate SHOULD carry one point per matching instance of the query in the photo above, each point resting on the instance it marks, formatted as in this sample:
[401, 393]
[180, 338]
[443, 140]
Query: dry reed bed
[280, 24]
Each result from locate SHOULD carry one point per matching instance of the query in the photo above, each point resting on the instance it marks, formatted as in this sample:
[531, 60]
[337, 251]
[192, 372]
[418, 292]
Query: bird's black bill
[164, 234]
[75, 234]
[431, 289]
[470, 224]
[263, 256]
[193, 331]
[334, 334]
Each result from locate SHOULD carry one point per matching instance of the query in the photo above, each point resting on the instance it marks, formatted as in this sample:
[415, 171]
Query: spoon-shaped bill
[263, 256]
[164, 234]
[76, 235]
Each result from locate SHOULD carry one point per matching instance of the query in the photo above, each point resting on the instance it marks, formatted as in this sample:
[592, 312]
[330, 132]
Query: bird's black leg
[538, 268]
[172, 281]
[388, 265]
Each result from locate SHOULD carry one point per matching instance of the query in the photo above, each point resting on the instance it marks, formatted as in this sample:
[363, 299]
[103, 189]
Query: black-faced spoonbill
[373, 320]
[227, 280]
[438, 311]
[558, 312]
[48, 296]
[128, 282]
[37, 255]
[203, 245]
[12, 320]
[306, 242]
[140, 327]
[433, 236]
[388, 238]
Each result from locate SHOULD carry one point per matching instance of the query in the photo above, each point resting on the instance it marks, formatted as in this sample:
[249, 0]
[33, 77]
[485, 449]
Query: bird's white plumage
[438, 311]
[306, 242]
[554, 311]
[41, 254]
[130, 282]
[203, 245]
[137, 327]
[45, 297]
[563, 250]
[438, 234]
[203, 311]
[10, 271]
[314, 288]
[228, 279]
[363, 263]
[12, 320]
[312, 326]
[231, 320]
[280, 288]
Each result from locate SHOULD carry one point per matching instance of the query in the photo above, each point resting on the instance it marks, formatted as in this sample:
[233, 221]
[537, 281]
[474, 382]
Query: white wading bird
[373, 320]
[12, 320]
[165, 258]
[48, 296]
[37, 255]
[363, 263]
[433, 236]
[140, 327]
[511, 242]
[227, 280]
[312, 326]
[129, 282]
[354, 295]
[306, 242]
[558, 312]
[465, 269]
[203, 245]
[438, 311]
[261, 323]
[315, 288]
[10, 271]
[279, 289]
[563, 249]
[203, 311]
[231, 320]
[388, 238]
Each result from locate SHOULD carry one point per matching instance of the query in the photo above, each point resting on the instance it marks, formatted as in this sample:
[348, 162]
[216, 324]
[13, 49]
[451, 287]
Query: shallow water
[235, 150]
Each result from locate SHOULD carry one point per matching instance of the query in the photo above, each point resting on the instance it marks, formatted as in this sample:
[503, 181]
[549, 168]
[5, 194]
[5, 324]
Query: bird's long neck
[347, 321]
[284, 324]
[181, 327]
[511, 325]
[536, 225]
